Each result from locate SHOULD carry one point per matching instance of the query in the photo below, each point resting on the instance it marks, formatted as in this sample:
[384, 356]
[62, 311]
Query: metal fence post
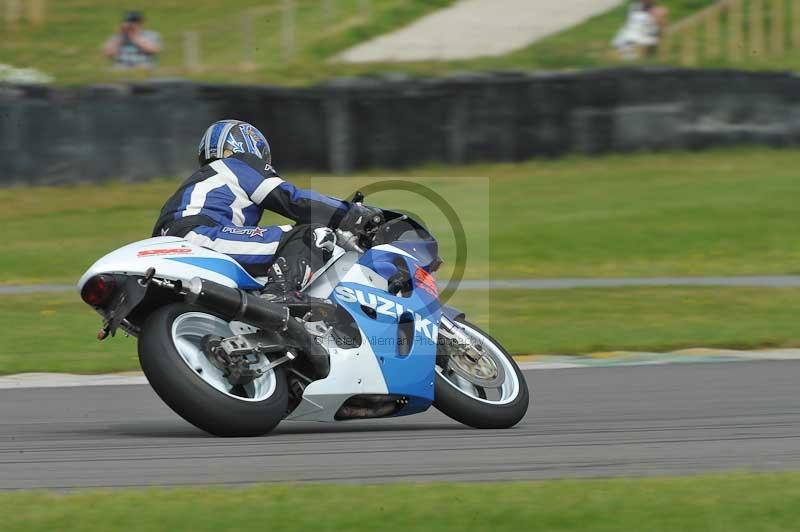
[13, 12]
[248, 40]
[689, 46]
[795, 23]
[712, 34]
[328, 9]
[37, 10]
[778, 28]
[735, 40]
[288, 28]
[757, 47]
[665, 46]
[191, 50]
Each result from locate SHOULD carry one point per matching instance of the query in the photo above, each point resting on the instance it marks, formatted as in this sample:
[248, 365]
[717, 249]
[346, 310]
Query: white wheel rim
[508, 389]
[187, 332]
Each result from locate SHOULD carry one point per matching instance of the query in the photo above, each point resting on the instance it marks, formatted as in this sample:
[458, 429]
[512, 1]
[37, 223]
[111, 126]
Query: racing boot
[283, 285]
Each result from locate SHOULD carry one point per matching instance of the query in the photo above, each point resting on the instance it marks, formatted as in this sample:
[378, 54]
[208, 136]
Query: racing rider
[220, 206]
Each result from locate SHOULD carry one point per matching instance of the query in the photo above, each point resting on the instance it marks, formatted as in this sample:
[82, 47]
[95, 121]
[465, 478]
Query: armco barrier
[137, 131]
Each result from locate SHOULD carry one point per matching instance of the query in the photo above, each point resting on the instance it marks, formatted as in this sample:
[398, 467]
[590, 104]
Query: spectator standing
[642, 30]
[133, 46]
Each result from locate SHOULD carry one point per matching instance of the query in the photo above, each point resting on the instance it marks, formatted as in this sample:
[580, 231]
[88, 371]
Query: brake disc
[484, 372]
[238, 367]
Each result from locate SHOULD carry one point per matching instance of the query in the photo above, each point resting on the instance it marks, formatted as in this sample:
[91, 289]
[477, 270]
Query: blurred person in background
[642, 30]
[133, 46]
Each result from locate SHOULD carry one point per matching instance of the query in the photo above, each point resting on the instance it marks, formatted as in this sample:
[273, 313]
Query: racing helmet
[226, 137]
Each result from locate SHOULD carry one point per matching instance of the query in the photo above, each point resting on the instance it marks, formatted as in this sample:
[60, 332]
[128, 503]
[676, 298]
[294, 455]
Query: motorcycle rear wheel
[172, 361]
[500, 406]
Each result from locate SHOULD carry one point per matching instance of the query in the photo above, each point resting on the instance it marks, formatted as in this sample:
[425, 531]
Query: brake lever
[348, 241]
[386, 225]
[402, 218]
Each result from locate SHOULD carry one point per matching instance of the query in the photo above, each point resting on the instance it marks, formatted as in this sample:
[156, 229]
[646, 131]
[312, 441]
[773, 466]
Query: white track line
[61, 380]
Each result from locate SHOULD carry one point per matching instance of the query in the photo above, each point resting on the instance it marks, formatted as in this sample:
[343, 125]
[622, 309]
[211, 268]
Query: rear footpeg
[314, 310]
[236, 305]
[240, 359]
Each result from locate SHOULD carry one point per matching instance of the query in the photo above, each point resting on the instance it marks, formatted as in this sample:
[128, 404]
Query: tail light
[98, 290]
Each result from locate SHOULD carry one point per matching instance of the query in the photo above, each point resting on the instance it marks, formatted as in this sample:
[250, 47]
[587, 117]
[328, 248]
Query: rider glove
[360, 217]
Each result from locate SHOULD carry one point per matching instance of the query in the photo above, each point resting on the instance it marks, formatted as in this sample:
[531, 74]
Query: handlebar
[348, 241]
[364, 240]
[352, 242]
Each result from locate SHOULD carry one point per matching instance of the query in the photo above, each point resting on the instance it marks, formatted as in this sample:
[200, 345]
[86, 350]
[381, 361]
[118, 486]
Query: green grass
[56, 332]
[586, 45]
[751, 58]
[67, 46]
[712, 213]
[722, 212]
[652, 319]
[724, 503]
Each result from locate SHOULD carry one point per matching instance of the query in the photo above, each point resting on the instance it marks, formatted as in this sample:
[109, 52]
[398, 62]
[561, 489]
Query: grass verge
[724, 212]
[239, 41]
[648, 318]
[55, 332]
[67, 45]
[585, 45]
[729, 503]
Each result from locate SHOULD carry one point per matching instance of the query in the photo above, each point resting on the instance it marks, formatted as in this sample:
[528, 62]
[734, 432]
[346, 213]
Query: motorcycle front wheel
[489, 393]
[179, 371]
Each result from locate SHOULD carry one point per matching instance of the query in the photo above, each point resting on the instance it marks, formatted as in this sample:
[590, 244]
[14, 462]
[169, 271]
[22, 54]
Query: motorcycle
[370, 339]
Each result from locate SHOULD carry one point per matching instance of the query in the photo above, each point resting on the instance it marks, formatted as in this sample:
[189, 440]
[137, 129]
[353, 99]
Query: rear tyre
[173, 362]
[500, 405]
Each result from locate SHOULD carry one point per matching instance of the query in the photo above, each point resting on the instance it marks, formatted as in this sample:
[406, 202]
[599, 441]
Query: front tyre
[178, 370]
[488, 394]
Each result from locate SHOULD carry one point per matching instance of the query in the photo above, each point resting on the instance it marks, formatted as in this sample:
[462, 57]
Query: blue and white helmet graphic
[226, 137]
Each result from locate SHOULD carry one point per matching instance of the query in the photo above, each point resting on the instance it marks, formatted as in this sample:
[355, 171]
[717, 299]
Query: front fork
[454, 336]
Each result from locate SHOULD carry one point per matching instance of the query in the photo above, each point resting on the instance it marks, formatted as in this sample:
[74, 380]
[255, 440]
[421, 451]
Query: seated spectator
[642, 30]
[133, 46]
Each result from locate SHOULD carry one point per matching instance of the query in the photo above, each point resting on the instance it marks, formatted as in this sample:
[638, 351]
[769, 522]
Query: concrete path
[767, 281]
[36, 288]
[475, 28]
[589, 422]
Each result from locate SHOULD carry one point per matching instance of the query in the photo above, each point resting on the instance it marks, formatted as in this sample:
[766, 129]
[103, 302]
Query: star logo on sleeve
[257, 232]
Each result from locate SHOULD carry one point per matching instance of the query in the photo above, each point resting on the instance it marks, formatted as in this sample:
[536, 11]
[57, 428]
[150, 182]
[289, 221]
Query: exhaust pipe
[236, 305]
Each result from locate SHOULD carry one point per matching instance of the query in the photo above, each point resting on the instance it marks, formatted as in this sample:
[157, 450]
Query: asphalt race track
[673, 419]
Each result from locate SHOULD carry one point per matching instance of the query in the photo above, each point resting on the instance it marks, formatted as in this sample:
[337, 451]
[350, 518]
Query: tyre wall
[138, 131]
